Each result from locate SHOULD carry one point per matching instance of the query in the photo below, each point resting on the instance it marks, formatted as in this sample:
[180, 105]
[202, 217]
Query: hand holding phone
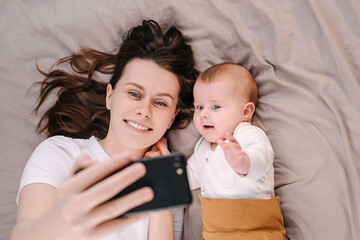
[167, 176]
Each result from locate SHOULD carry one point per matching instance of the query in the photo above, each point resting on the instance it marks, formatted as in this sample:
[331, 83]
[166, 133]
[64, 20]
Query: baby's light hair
[233, 70]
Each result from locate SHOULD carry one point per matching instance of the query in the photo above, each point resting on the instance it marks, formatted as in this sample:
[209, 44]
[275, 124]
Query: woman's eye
[215, 107]
[134, 94]
[160, 103]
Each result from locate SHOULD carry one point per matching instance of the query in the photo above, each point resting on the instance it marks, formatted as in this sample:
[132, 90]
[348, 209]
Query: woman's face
[142, 106]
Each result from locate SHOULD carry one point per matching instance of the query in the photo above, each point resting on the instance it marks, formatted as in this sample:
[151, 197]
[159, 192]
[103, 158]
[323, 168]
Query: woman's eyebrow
[143, 89]
[136, 85]
[165, 95]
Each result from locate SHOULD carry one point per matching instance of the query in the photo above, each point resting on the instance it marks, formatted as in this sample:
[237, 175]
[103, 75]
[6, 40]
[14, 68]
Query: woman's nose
[144, 109]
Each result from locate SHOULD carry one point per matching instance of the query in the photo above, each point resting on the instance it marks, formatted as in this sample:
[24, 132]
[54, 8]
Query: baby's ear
[249, 110]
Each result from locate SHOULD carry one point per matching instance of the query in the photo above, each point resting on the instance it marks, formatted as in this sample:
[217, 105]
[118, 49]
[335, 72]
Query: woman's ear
[109, 92]
[249, 110]
[172, 120]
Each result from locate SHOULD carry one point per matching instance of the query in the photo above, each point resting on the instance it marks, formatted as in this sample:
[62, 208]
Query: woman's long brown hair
[80, 109]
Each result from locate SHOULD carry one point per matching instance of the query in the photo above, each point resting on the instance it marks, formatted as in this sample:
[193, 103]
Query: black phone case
[167, 176]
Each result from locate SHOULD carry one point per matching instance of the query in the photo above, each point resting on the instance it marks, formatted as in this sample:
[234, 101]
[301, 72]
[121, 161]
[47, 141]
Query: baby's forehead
[238, 82]
[223, 87]
[234, 77]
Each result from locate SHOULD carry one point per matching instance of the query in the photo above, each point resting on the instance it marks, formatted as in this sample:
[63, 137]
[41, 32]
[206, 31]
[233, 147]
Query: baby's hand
[234, 155]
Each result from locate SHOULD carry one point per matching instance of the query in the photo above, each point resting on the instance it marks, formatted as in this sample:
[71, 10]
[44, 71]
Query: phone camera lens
[179, 171]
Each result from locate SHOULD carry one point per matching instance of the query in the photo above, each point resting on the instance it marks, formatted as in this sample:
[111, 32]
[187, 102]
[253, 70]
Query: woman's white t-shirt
[53, 160]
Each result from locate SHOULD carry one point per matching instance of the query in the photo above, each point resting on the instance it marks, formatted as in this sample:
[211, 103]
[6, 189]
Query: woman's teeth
[137, 126]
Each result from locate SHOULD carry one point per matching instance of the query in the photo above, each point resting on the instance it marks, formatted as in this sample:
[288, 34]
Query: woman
[102, 127]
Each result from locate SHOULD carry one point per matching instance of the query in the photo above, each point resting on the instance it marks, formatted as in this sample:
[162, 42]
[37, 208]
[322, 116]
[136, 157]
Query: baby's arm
[234, 155]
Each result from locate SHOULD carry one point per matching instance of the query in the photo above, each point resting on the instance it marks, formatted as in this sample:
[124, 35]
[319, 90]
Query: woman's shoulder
[60, 139]
[55, 156]
[61, 146]
[63, 142]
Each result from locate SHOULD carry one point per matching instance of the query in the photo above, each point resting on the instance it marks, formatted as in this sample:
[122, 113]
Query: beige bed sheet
[305, 56]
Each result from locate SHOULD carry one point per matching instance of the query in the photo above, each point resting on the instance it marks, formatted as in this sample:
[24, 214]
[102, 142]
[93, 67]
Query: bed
[304, 55]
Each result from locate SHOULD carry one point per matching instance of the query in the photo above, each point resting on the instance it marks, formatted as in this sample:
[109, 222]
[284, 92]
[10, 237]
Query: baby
[232, 162]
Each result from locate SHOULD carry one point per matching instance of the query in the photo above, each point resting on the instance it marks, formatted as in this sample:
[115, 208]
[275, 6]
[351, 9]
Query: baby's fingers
[230, 137]
[223, 144]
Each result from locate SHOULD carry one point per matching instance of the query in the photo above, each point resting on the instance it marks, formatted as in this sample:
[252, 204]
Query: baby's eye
[160, 103]
[215, 107]
[134, 94]
[199, 108]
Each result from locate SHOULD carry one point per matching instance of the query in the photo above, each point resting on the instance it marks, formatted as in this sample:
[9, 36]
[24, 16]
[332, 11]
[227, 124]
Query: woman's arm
[34, 200]
[77, 210]
[161, 224]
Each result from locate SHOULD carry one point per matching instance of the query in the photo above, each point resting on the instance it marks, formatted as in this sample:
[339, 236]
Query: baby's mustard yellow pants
[242, 219]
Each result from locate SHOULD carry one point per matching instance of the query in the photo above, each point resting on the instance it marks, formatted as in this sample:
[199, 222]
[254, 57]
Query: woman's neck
[111, 148]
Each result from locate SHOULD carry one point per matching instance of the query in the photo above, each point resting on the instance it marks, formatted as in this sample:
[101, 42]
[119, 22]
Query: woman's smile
[137, 126]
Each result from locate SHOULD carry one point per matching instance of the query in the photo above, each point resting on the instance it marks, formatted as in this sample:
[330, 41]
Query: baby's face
[219, 108]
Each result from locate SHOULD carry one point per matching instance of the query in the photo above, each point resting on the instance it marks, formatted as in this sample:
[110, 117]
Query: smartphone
[167, 176]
